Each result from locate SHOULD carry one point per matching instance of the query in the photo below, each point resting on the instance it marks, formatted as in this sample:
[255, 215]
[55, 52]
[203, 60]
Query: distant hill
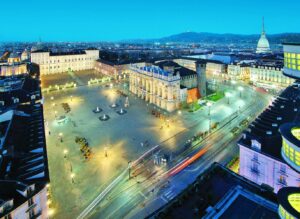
[194, 37]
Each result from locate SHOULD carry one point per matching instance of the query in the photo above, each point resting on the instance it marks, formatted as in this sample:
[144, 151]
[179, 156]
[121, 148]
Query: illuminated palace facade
[270, 148]
[269, 77]
[14, 65]
[156, 86]
[59, 62]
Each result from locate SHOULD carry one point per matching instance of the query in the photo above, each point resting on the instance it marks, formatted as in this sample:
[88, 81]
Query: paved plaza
[113, 143]
[76, 181]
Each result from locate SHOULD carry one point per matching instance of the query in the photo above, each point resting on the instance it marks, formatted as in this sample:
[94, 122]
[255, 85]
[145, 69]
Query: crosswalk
[168, 196]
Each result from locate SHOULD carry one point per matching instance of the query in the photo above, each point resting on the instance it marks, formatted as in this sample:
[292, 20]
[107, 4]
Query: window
[282, 180]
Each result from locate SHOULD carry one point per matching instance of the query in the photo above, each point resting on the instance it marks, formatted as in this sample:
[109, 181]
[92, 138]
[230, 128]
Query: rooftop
[286, 202]
[18, 89]
[292, 44]
[24, 165]
[216, 194]
[183, 72]
[265, 129]
[153, 69]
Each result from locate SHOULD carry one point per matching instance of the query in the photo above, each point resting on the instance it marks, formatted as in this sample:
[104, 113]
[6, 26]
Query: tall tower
[263, 45]
[201, 77]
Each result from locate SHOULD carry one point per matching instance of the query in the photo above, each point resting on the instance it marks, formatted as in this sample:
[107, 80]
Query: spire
[263, 25]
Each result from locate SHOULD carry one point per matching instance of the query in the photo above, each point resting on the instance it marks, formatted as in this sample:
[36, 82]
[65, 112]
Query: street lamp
[129, 169]
[209, 105]
[240, 89]
[65, 153]
[72, 177]
[60, 136]
[228, 95]
[105, 151]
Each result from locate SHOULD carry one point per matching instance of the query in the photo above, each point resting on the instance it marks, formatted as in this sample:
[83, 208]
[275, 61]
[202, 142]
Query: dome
[263, 45]
[38, 46]
[25, 55]
[33, 49]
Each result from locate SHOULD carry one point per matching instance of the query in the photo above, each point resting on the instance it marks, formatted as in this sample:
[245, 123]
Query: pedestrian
[49, 133]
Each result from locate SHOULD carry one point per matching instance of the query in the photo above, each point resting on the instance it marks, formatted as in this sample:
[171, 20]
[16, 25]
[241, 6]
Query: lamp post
[61, 136]
[240, 89]
[227, 94]
[105, 151]
[65, 153]
[209, 105]
[72, 177]
[129, 169]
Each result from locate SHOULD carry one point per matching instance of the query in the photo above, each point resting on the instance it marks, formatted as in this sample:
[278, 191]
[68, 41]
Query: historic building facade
[269, 77]
[113, 69]
[216, 69]
[51, 63]
[238, 72]
[13, 65]
[15, 69]
[156, 86]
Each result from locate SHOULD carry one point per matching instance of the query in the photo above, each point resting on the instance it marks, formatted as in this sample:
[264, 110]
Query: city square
[110, 112]
[115, 142]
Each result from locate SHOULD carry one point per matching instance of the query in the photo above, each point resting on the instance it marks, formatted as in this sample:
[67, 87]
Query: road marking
[166, 201]
[142, 195]
[167, 193]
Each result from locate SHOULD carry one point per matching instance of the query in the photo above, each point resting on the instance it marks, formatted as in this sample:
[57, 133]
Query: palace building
[59, 62]
[156, 86]
[269, 77]
[14, 64]
[188, 79]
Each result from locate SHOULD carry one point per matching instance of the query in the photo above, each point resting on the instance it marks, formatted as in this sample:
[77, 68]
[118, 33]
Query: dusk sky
[98, 20]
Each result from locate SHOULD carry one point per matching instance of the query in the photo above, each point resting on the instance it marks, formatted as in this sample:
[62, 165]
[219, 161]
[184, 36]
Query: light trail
[102, 195]
[189, 161]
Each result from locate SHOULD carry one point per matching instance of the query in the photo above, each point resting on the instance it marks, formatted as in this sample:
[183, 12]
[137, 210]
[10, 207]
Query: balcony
[254, 171]
[31, 207]
[282, 182]
[36, 215]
